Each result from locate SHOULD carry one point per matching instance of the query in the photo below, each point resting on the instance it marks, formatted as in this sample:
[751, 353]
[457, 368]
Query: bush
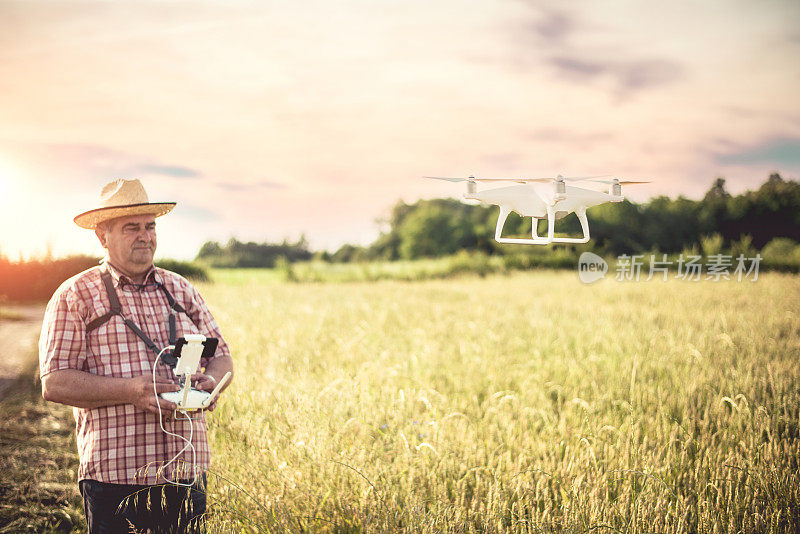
[285, 270]
[744, 247]
[465, 262]
[711, 244]
[236, 254]
[187, 269]
[781, 254]
[518, 262]
[550, 258]
[36, 280]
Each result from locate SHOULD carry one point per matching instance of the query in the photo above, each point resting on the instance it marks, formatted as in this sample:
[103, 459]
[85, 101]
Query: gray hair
[105, 226]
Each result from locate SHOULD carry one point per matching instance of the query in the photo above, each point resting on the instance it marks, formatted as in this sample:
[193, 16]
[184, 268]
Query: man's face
[130, 241]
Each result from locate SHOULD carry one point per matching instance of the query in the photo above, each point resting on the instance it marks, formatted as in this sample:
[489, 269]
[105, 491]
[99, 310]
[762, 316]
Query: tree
[434, 229]
[773, 210]
[714, 207]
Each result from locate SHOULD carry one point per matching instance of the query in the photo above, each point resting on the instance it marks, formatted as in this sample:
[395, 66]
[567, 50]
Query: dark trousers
[121, 508]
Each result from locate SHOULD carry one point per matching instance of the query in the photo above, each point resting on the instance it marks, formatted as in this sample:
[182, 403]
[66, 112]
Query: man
[92, 358]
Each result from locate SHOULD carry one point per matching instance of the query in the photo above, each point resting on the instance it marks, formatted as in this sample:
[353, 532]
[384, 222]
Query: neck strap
[116, 309]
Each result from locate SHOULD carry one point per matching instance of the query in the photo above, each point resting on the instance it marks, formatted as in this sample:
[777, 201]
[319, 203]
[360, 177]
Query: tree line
[441, 227]
[751, 220]
[235, 253]
[37, 279]
[766, 220]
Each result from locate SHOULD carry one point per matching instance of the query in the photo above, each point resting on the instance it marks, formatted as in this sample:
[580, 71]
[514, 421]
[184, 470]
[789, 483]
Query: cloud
[236, 187]
[648, 73]
[565, 43]
[784, 151]
[552, 26]
[629, 75]
[195, 213]
[503, 160]
[577, 68]
[567, 137]
[271, 185]
[174, 171]
[92, 161]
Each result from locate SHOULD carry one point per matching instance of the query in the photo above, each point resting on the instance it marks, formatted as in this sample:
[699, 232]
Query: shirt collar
[152, 276]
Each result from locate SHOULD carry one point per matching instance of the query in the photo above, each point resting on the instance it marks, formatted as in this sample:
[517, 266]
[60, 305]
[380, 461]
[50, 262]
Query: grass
[527, 402]
[522, 403]
[456, 265]
[480, 264]
[10, 315]
[319, 271]
[38, 463]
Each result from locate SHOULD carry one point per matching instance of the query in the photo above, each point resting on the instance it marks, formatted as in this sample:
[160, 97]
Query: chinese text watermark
[687, 267]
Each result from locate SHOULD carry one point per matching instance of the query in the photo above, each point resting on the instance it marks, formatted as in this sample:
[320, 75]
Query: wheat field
[520, 403]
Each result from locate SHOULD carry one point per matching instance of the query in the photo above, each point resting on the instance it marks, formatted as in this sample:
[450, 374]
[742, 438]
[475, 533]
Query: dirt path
[19, 334]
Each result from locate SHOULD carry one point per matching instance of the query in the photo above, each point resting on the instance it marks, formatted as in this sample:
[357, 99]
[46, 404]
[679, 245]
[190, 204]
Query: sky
[270, 120]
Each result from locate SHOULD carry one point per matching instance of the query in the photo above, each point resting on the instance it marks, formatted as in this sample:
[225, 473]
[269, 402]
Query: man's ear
[100, 232]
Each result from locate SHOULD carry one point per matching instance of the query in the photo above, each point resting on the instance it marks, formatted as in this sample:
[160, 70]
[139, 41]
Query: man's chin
[143, 258]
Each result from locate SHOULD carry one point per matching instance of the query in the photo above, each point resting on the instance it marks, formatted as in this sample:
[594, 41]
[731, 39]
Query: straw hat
[122, 198]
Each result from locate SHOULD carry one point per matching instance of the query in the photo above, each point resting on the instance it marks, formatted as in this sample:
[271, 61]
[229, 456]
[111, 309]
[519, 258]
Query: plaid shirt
[121, 443]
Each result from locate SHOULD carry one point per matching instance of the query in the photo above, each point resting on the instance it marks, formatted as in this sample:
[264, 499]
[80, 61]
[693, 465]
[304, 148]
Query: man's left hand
[203, 382]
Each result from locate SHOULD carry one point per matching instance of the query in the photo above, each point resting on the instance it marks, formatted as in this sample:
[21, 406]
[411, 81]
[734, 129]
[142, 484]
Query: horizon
[48, 253]
[268, 122]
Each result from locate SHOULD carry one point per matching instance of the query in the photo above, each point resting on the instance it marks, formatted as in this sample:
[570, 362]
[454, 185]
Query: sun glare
[7, 175]
[11, 235]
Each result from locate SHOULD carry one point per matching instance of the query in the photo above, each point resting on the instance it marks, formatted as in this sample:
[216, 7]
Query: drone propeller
[519, 180]
[473, 179]
[558, 178]
[448, 179]
[620, 182]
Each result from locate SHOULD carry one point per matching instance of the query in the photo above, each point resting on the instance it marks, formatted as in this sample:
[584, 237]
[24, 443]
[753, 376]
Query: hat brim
[90, 219]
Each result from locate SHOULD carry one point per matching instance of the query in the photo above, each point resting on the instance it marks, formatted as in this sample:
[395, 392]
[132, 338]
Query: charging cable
[191, 431]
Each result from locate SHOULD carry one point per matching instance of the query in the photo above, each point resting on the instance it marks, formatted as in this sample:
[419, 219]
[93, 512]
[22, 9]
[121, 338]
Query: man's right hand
[88, 391]
[142, 396]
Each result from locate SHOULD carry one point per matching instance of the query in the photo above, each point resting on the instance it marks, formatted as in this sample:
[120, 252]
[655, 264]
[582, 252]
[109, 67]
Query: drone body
[541, 198]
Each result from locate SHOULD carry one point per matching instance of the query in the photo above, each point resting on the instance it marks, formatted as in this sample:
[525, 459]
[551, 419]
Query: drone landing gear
[535, 238]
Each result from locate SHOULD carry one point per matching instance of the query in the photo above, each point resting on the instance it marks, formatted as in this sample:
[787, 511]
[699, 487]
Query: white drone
[541, 198]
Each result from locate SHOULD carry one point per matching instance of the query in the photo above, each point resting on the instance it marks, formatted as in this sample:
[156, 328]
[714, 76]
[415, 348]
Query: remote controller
[188, 351]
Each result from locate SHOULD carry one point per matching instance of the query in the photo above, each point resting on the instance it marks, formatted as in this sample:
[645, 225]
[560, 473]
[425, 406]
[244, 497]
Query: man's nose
[144, 235]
